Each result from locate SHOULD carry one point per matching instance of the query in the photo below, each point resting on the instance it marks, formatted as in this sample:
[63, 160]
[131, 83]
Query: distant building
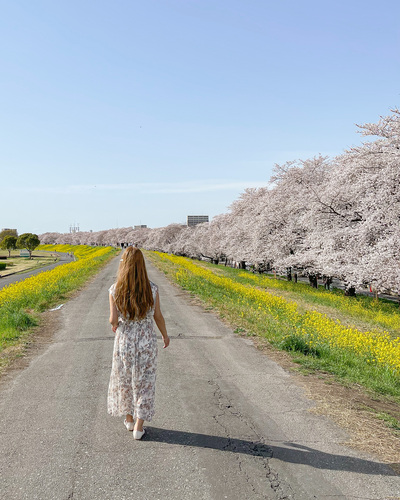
[192, 220]
[74, 228]
[141, 226]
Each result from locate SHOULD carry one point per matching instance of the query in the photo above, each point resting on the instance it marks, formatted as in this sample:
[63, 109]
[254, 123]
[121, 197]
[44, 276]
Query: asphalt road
[229, 424]
[14, 278]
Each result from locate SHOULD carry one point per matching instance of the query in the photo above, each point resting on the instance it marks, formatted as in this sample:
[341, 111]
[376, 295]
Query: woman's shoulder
[112, 289]
[154, 287]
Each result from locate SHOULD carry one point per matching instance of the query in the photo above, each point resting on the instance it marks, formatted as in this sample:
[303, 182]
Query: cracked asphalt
[230, 423]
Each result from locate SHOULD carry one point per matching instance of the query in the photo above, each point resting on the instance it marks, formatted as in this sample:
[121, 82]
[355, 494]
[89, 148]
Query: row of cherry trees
[338, 217]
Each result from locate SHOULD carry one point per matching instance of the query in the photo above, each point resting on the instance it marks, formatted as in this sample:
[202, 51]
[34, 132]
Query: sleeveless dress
[133, 374]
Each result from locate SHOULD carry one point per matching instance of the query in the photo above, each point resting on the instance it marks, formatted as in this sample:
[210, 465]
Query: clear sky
[124, 112]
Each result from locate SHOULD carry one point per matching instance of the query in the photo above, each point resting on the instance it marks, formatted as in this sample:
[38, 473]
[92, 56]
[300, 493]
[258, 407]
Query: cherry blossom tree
[338, 217]
[185, 243]
[364, 206]
[48, 238]
[163, 237]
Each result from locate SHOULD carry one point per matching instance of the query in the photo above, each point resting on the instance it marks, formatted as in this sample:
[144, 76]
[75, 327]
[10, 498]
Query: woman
[134, 302]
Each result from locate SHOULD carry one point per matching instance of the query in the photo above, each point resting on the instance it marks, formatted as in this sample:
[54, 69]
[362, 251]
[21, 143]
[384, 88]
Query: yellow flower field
[36, 293]
[315, 328]
[356, 308]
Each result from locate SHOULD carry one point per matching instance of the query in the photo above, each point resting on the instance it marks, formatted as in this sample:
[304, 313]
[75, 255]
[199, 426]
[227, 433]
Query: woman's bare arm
[113, 314]
[160, 322]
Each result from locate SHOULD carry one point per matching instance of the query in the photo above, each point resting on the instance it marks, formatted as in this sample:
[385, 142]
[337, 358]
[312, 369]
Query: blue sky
[142, 112]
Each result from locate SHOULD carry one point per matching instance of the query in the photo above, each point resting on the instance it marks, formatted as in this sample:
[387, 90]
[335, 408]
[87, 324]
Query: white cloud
[147, 188]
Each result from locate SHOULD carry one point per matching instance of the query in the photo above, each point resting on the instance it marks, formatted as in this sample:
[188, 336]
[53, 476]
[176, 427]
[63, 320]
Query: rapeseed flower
[316, 328]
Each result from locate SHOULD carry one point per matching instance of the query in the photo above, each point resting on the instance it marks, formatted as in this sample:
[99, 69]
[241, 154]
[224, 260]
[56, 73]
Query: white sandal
[139, 434]
[129, 425]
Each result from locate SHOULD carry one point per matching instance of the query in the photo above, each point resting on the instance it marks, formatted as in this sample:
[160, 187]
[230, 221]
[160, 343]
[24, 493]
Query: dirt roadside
[18, 357]
[351, 407]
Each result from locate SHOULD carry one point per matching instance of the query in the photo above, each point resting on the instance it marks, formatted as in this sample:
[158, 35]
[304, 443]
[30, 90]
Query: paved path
[14, 278]
[230, 423]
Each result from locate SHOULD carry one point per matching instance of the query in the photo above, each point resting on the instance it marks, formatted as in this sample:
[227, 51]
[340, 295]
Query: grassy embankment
[21, 303]
[355, 339]
[16, 264]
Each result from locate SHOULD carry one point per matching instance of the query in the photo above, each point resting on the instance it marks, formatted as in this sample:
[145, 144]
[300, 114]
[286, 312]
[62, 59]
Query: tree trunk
[242, 264]
[350, 292]
[289, 273]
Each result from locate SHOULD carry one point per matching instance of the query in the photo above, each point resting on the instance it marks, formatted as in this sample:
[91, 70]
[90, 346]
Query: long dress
[133, 374]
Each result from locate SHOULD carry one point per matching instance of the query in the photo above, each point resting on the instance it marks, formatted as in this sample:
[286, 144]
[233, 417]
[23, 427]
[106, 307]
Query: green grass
[276, 328]
[18, 265]
[362, 311]
[390, 421]
[21, 303]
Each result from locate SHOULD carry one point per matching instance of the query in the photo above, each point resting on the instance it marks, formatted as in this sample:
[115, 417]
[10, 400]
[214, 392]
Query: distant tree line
[336, 217]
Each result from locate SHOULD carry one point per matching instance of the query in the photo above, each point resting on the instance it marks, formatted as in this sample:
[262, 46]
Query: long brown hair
[133, 295]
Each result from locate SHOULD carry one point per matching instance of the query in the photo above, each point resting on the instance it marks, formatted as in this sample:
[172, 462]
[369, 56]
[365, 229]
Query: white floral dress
[133, 373]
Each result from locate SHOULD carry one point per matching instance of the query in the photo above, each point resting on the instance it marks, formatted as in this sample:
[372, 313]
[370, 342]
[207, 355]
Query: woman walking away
[134, 302]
